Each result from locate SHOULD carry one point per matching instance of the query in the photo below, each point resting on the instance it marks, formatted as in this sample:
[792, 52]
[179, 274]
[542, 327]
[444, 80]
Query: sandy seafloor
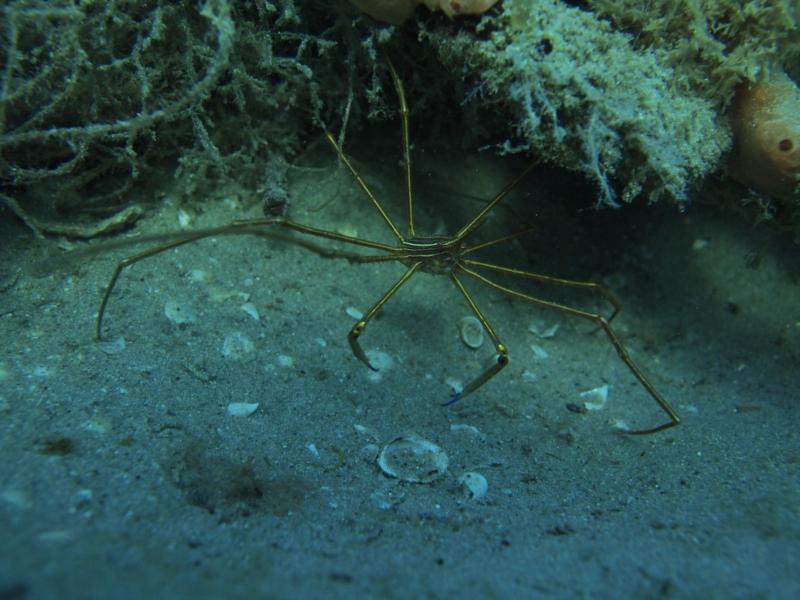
[124, 476]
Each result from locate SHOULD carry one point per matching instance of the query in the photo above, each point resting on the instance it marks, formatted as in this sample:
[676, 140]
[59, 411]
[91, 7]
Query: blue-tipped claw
[454, 397]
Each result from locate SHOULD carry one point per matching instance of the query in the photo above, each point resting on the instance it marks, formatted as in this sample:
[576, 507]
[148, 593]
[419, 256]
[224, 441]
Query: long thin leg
[128, 261]
[477, 219]
[359, 327]
[502, 352]
[511, 236]
[401, 97]
[612, 336]
[363, 185]
[251, 226]
[315, 231]
[584, 285]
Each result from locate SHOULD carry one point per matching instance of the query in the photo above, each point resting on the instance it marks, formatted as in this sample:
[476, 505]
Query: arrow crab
[449, 256]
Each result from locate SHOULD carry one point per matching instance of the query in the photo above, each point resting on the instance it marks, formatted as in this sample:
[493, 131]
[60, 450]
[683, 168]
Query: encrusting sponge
[765, 118]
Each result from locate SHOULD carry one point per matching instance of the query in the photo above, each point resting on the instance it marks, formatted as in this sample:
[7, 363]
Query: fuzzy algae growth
[103, 102]
[585, 97]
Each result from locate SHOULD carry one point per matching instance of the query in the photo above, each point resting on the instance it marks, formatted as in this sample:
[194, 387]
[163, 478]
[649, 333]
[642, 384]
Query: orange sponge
[765, 118]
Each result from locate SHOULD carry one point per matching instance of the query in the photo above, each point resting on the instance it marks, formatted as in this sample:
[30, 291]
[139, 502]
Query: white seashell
[242, 409]
[184, 219]
[474, 484]
[312, 448]
[251, 310]
[353, 312]
[596, 398]
[539, 330]
[413, 459]
[472, 333]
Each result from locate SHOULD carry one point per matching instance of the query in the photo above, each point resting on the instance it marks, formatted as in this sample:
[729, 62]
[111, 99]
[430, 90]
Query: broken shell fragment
[413, 459]
[543, 331]
[242, 409]
[251, 310]
[596, 398]
[474, 484]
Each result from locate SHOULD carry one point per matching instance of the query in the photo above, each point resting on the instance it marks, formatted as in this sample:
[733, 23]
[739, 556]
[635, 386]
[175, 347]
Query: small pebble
[285, 361]
[43, 372]
[576, 408]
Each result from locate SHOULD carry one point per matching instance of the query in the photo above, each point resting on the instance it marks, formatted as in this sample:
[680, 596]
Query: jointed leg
[502, 352]
[366, 189]
[601, 322]
[478, 219]
[128, 261]
[584, 285]
[401, 98]
[359, 327]
[251, 226]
